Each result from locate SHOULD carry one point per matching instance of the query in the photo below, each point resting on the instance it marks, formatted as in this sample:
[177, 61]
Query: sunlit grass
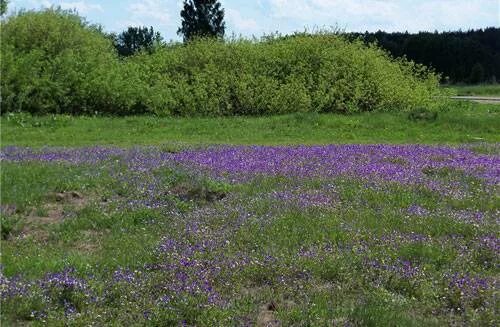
[462, 123]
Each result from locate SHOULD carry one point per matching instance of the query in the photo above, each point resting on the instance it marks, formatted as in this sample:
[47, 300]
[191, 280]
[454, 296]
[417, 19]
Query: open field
[462, 123]
[314, 178]
[371, 235]
[185, 232]
[484, 89]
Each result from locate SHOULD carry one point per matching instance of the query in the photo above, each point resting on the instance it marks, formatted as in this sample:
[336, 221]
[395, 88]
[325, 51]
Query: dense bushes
[52, 61]
[322, 73]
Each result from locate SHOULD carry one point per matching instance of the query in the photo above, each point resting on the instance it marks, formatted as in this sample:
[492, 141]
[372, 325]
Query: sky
[254, 18]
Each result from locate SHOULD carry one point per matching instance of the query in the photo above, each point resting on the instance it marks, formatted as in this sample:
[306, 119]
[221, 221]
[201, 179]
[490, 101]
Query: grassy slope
[462, 123]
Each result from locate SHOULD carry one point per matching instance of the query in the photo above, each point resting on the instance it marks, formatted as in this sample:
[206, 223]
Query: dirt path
[481, 99]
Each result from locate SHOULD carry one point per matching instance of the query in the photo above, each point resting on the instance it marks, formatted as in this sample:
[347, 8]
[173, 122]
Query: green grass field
[484, 89]
[462, 123]
[264, 236]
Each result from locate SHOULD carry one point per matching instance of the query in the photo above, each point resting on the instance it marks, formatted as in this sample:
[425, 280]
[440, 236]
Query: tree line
[54, 62]
[461, 57]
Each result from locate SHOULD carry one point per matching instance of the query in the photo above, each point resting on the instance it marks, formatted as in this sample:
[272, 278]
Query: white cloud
[81, 7]
[294, 9]
[259, 16]
[389, 14]
[240, 23]
[148, 12]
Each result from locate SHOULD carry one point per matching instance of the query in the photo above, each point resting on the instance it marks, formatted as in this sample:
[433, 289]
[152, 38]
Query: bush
[54, 62]
[319, 73]
[422, 114]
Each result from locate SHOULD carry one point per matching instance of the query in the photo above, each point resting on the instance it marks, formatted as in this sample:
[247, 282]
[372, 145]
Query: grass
[311, 266]
[482, 89]
[462, 123]
[315, 251]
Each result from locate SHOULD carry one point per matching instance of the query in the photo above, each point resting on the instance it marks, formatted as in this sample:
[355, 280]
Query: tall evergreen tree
[477, 74]
[202, 18]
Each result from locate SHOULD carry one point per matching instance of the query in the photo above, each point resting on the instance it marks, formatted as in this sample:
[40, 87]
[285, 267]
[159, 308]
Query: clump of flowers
[13, 287]
[401, 276]
[416, 210]
[64, 289]
[465, 291]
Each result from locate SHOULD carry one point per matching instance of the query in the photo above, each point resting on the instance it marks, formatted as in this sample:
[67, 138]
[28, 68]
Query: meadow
[462, 122]
[481, 89]
[163, 224]
[297, 180]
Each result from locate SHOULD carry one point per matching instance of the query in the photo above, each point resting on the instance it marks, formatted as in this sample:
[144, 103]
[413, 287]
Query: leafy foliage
[54, 62]
[136, 39]
[202, 18]
[304, 73]
[3, 6]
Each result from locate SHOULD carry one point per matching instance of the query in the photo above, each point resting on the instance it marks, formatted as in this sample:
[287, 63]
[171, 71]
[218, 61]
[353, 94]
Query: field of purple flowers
[344, 235]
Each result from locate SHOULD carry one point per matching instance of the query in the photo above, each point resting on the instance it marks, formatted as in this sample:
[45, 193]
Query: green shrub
[319, 73]
[422, 114]
[54, 62]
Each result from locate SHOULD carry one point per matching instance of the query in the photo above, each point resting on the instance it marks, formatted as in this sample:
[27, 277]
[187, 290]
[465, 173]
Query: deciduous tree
[136, 39]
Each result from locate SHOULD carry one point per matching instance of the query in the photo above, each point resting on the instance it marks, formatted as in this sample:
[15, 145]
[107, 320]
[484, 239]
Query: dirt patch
[47, 214]
[54, 212]
[187, 192]
[70, 197]
[8, 209]
[267, 317]
[63, 204]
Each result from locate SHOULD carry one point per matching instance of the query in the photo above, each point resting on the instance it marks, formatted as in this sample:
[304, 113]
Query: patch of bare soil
[186, 192]
[8, 209]
[266, 317]
[61, 205]
[71, 197]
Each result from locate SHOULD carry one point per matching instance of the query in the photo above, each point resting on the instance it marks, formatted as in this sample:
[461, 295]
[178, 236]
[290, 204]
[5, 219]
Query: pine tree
[477, 74]
[202, 18]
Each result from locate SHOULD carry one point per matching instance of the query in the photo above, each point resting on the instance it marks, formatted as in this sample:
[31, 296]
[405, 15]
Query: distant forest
[461, 57]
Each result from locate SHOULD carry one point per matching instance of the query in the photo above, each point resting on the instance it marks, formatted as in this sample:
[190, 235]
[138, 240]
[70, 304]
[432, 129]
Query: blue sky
[247, 17]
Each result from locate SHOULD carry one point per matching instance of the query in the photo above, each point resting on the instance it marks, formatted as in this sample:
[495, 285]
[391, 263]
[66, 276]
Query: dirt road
[481, 99]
